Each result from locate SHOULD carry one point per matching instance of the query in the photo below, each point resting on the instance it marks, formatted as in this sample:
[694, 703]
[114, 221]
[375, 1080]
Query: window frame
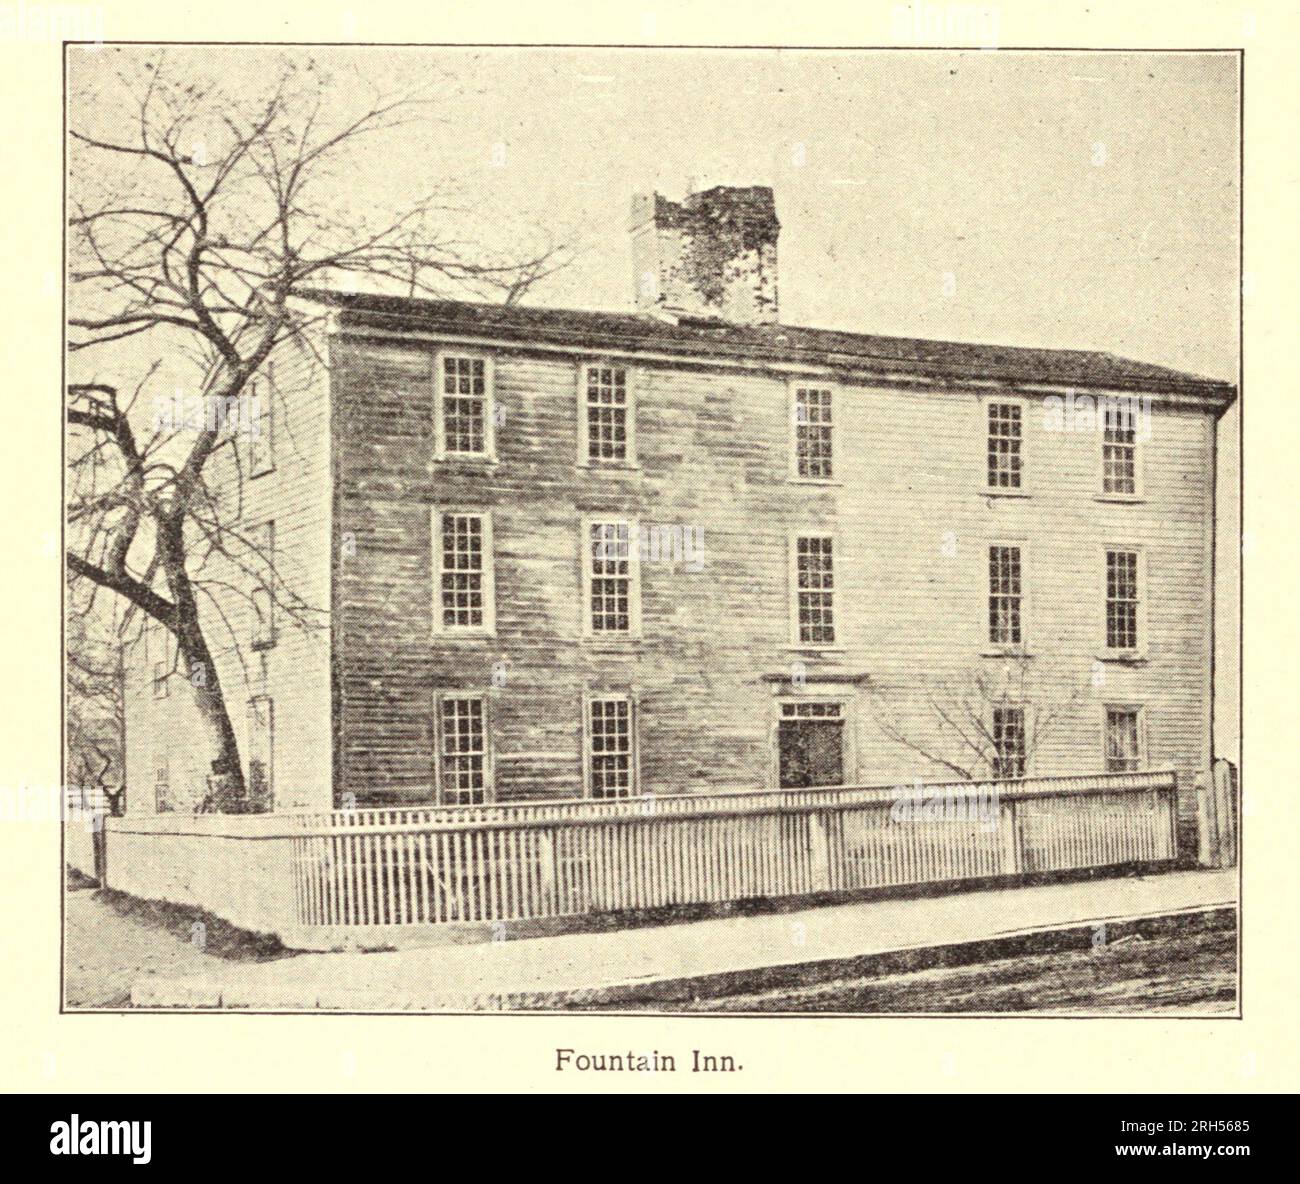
[631, 382]
[1140, 711]
[984, 402]
[793, 387]
[792, 546]
[253, 702]
[489, 764]
[1024, 739]
[440, 450]
[586, 559]
[162, 765]
[1138, 652]
[1139, 484]
[634, 741]
[258, 641]
[489, 626]
[264, 420]
[989, 647]
[819, 695]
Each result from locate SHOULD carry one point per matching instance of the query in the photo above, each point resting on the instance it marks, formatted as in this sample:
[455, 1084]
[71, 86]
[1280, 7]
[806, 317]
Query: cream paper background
[46, 1051]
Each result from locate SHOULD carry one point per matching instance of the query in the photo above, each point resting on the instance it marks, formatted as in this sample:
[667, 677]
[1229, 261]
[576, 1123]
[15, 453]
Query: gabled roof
[704, 338]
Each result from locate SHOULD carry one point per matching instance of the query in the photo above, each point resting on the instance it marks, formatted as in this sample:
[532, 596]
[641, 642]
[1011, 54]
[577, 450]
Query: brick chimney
[713, 254]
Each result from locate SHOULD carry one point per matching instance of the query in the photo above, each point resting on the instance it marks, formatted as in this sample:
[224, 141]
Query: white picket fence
[323, 879]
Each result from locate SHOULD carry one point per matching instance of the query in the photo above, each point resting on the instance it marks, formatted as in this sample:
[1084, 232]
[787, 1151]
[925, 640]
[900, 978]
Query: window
[613, 577]
[1123, 601]
[162, 792]
[464, 596]
[1005, 440]
[814, 584]
[464, 777]
[261, 723]
[814, 441]
[464, 412]
[1119, 448]
[1004, 596]
[262, 562]
[261, 430]
[165, 656]
[606, 419]
[810, 745]
[611, 768]
[1123, 740]
[1008, 742]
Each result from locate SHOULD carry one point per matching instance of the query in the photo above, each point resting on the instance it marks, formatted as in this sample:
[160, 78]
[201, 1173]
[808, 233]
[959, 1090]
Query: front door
[810, 745]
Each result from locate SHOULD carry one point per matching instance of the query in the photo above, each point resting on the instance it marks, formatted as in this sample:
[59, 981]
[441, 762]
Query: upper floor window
[814, 589]
[263, 565]
[464, 765]
[464, 411]
[1123, 740]
[1008, 742]
[612, 576]
[812, 412]
[1124, 580]
[606, 420]
[611, 765]
[464, 598]
[1119, 448]
[261, 429]
[1005, 446]
[1005, 582]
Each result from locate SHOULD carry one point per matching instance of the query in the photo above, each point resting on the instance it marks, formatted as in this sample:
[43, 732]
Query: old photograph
[651, 530]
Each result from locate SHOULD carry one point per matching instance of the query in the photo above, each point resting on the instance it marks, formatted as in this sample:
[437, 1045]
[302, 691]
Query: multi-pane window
[1005, 442]
[465, 398]
[463, 752]
[612, 575]
[814, 589]
[261, 430]
[162, 790]
[606, 415]
[813, 433]
[1008, 742]
[1119, 447]
[262, 564]
[810, 745]
[610, 759]
[463, 544]
[1123, 743]
[1004, 595]
[1122, 590]
[261, 721]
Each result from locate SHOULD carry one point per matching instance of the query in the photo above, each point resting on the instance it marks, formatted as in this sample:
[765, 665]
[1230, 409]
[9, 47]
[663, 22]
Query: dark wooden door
[811, 752]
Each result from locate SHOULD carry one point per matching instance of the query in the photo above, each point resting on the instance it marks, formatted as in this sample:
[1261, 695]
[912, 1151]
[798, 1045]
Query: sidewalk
[674, 961]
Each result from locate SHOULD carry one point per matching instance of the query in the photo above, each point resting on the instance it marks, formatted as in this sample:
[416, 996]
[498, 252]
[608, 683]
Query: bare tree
[96, 712]
[955, 729]
[197, 220]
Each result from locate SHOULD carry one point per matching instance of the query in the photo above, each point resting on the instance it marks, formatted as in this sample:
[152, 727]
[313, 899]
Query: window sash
[1119, 448]
[464, 759]
[464, 598]
[611, 573]
[813, 417]
[1123, 599]
[813, 563]
[1006, 595]
[1123, 740]
[611, 747]
[606, 415]
[1009, 756]
[465, 406]
[1005, 446]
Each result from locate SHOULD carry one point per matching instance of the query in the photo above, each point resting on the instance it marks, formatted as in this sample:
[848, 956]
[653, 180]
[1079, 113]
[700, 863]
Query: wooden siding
[912, 526]
[295, 672]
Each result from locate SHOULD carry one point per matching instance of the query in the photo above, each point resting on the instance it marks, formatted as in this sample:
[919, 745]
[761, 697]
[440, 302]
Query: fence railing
[344, 871]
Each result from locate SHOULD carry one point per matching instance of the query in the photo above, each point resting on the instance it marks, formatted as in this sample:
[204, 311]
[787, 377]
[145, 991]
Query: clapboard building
[565, 554]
